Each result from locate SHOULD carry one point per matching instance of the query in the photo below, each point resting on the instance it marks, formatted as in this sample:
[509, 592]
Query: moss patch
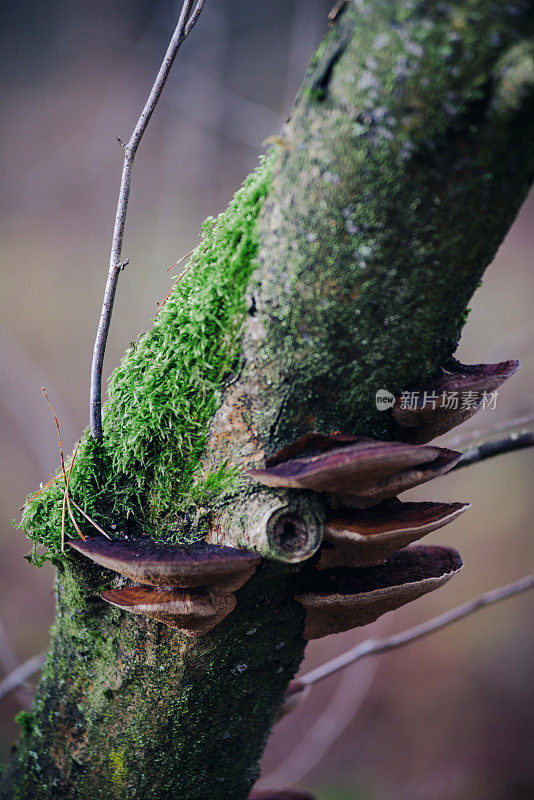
[163, 395]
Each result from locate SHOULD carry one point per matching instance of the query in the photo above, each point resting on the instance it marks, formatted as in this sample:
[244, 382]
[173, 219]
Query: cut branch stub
[356, 470]
[285, 526]
[340, 599]
[429, 410]
[222, 569]
[194, 612]
[364, 537]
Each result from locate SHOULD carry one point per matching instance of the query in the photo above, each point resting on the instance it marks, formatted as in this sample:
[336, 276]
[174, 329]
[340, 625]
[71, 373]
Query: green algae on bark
[163, 395]
[163, 709]
[397, 183]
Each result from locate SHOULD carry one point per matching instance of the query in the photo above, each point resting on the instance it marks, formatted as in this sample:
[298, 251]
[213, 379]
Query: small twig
[515, 441]
[84, 514]
[185, 25]
[21, 674]
[372, 647]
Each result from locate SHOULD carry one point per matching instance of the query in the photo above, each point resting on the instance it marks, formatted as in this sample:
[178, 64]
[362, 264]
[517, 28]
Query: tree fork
[406, 158]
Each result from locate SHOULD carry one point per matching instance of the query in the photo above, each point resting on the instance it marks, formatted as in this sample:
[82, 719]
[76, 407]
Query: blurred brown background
[448, 718]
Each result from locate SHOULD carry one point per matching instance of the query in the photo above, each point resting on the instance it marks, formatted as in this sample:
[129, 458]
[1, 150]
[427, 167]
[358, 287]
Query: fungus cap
[431, 414]
[363, 537]
[223, 569]
[359, 470]
[340, 599]
[193, 612]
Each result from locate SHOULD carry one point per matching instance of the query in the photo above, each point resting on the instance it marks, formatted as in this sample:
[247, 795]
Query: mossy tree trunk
[407, 156]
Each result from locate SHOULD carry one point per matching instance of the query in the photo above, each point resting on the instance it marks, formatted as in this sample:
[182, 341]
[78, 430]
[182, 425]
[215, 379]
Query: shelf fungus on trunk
[189, 587]
[354, 470]
[193, 611]
[426, 411]
[339, 599]
[364, 537]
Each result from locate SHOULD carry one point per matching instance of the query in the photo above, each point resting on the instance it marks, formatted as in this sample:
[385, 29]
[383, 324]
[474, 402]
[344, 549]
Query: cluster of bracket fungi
[366, 563]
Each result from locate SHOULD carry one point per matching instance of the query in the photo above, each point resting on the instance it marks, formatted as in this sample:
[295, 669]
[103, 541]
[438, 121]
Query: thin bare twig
[21, 674]
[372, 647]
[515, 441]
[186, 22]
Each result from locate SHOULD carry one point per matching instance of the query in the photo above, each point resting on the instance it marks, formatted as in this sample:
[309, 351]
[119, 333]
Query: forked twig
[186, 22]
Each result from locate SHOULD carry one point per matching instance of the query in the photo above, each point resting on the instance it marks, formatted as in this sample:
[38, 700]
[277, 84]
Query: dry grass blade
[66, 493]
[84, 514]
[180, 260]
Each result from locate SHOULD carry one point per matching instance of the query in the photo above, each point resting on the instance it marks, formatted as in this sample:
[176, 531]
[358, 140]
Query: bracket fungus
[452, 398]
[339, 599]
[356, 470]
[193, 611]
[189, 587]
[222, 569]
[364, 537]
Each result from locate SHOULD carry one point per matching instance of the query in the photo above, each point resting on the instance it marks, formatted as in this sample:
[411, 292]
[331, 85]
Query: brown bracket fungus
[340, 599]
[356, 470]
[193, 612]
[174, 574]
[364, 537]
[429, 410]
[222, 569]
[285, 526]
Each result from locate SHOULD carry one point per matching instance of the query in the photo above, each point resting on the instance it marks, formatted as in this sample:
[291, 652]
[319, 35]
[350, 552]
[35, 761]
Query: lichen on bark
[413, 115]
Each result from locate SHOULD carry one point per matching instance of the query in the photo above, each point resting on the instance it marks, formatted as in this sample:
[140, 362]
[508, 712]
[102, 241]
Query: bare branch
[470, 438]
[515, 441]
[185, 25]
[372, 647]
[21, 674]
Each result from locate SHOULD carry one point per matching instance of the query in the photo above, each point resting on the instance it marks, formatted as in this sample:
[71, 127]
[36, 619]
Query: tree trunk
[406, 158]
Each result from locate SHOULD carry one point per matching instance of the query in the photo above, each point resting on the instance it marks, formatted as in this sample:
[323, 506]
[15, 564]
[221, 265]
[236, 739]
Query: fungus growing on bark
[429, 410]
[222, 569]
[340, 599]
[194, 612]
[354, 469]
[364, 537]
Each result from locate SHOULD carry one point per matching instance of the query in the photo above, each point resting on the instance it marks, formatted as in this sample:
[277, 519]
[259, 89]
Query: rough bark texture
[407, 156]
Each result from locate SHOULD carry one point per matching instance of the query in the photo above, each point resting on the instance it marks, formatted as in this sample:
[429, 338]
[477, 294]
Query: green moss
[26, 722]
[142, 476]
[117, 767]
[128, 708]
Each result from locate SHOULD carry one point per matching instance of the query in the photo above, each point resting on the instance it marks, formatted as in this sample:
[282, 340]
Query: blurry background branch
[372, 647]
